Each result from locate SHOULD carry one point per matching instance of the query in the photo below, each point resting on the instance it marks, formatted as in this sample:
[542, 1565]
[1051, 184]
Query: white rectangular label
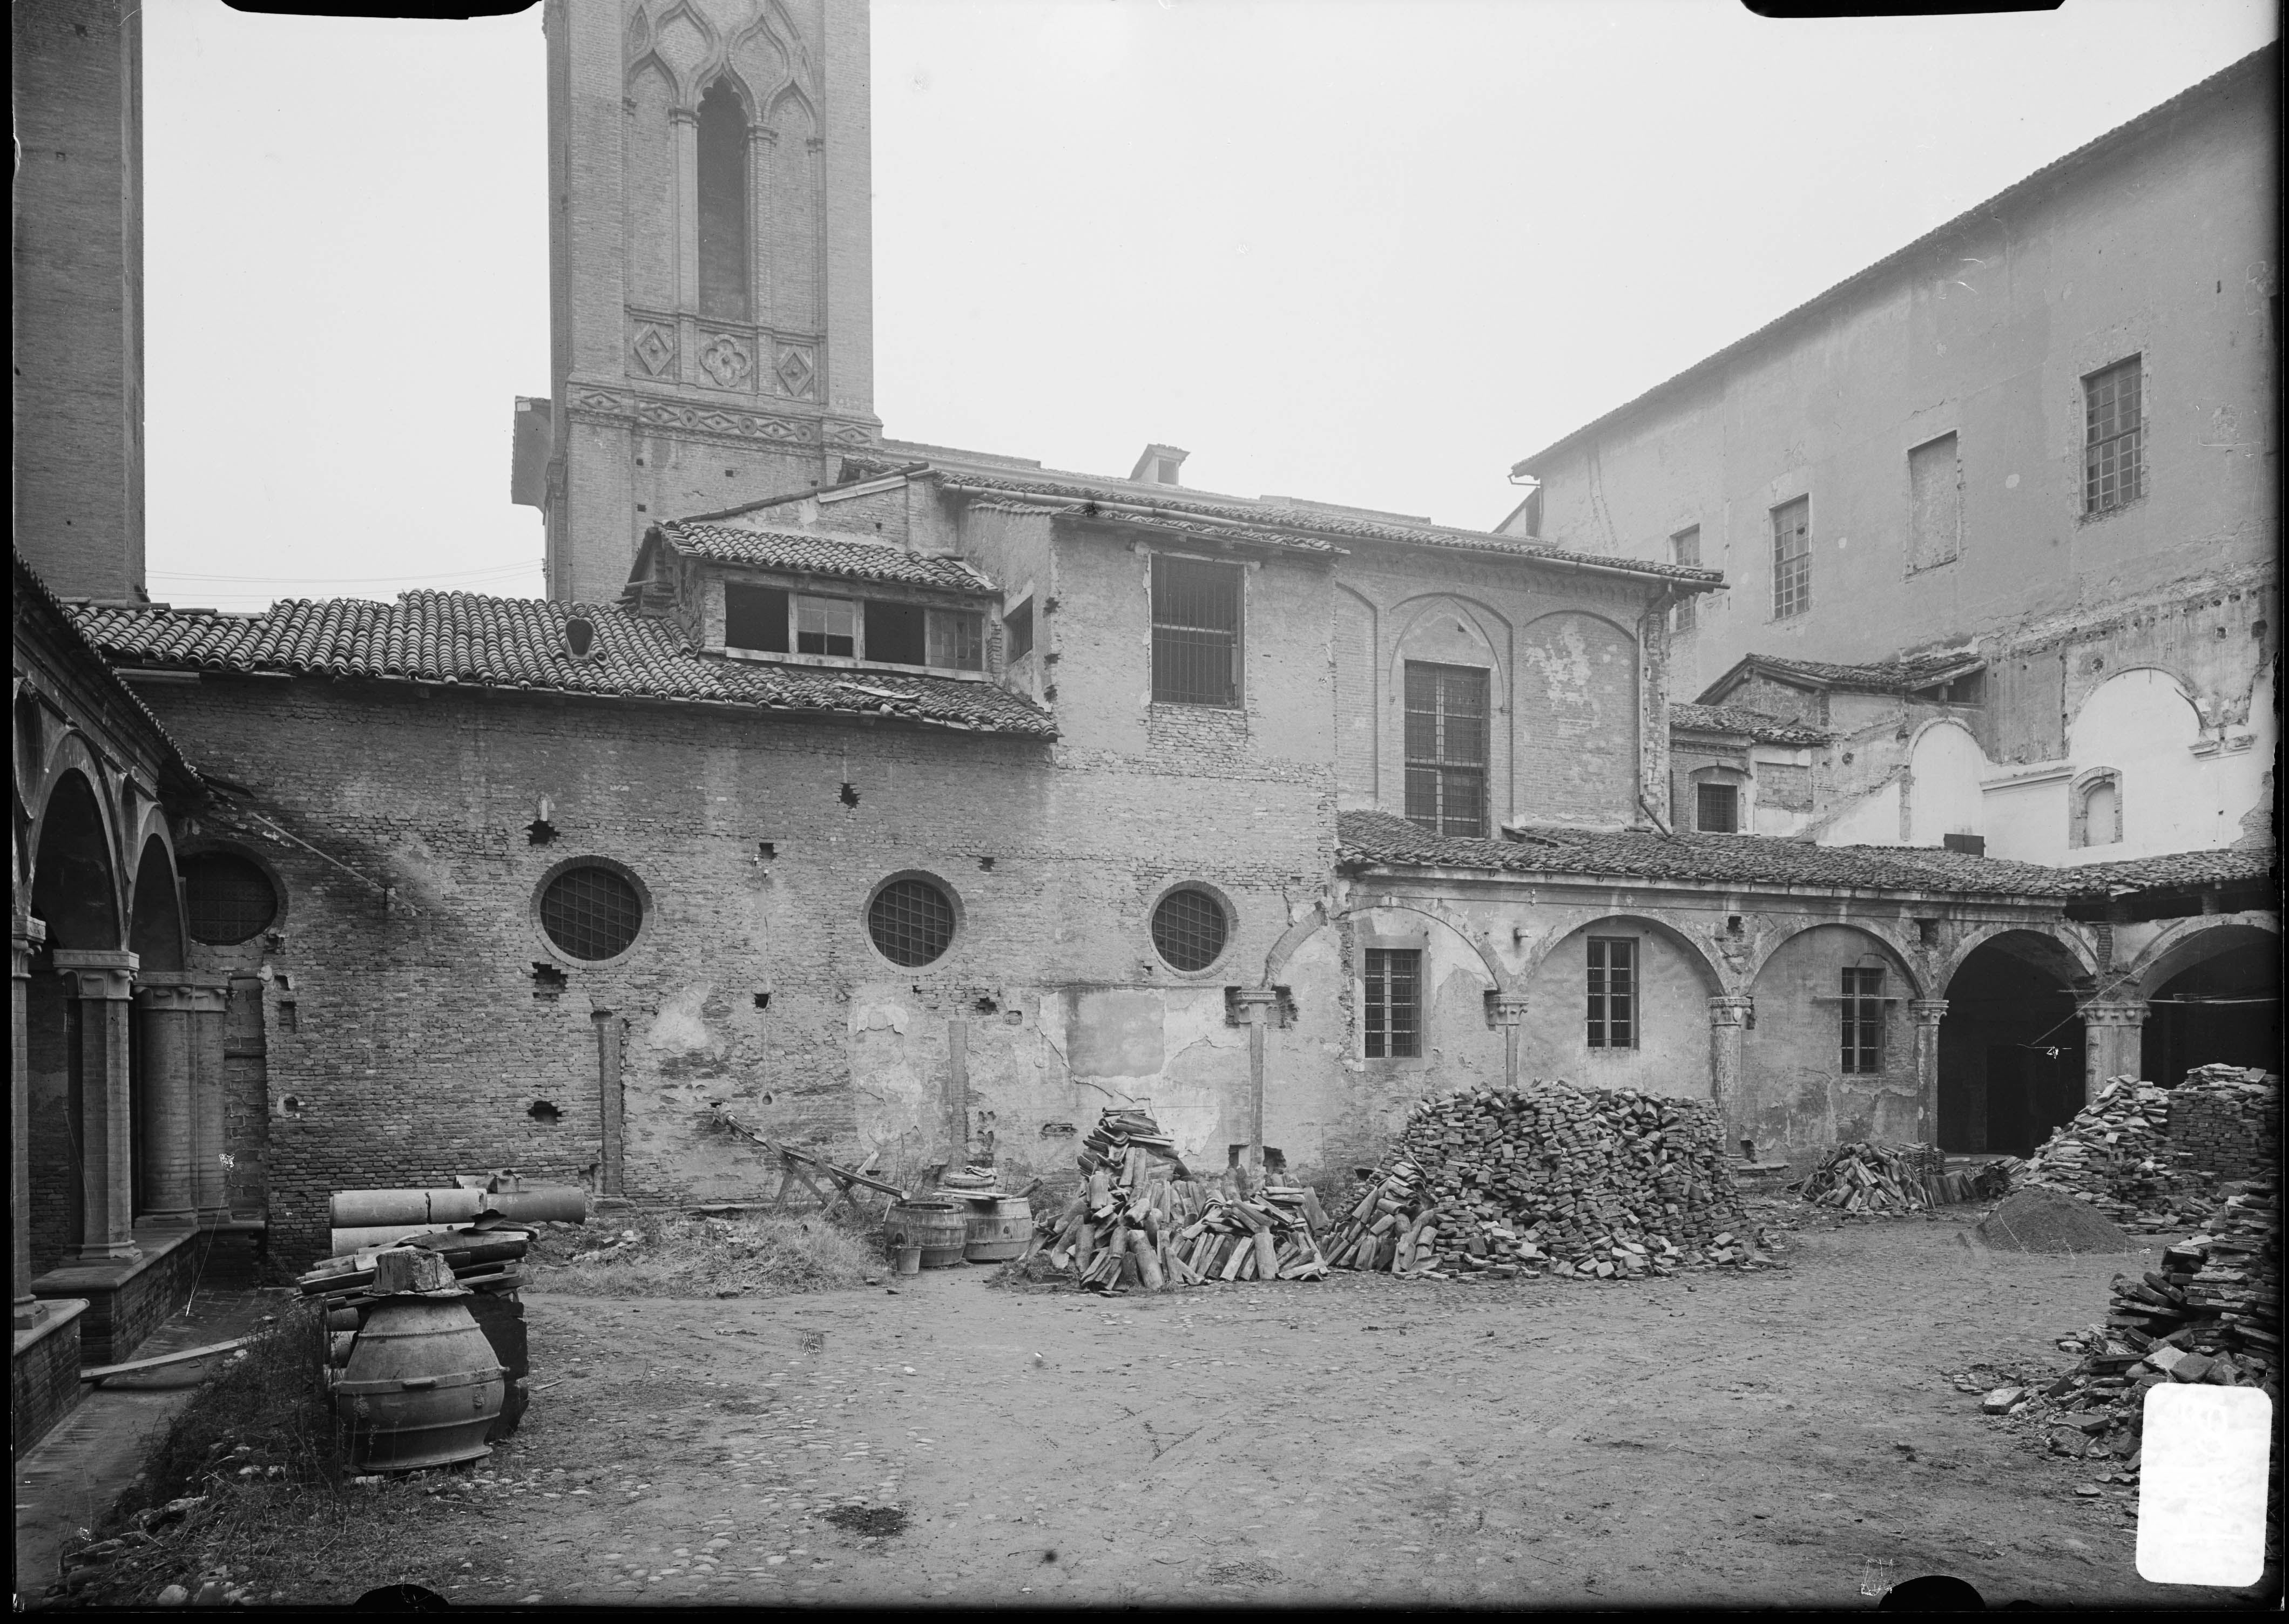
[2202, 1485]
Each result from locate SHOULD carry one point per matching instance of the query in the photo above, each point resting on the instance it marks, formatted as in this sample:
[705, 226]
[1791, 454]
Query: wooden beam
[97, 1373]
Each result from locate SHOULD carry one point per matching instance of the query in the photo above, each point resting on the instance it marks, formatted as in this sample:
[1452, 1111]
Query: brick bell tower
[710, 267]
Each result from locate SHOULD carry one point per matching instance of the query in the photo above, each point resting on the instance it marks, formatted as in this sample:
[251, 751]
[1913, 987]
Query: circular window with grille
[228, 899]
[1190, 928]
[910, 921]
[591, 910]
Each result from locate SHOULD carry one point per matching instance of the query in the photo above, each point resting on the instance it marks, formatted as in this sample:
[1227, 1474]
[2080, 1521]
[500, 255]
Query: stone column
[685, 122]
[762, 289]
[1257, 1005]
[1509, 1010]
[162, 1004]
[2113, 1030]
[209, 1130]
[26, 936]
[1927, 1012]
[1728, 1027]
[103, 985]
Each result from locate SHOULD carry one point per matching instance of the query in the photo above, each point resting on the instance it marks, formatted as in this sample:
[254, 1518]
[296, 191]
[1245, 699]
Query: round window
[1189, 928]
[591, 913]
[910, 921]
[229, 898]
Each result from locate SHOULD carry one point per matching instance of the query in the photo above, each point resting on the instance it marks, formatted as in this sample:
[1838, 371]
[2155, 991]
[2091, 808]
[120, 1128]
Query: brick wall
[42, 1384]
[53, 1157]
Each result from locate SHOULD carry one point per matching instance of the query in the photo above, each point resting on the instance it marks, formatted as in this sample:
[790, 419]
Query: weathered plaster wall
[1670, 1056]
[1796, 1097]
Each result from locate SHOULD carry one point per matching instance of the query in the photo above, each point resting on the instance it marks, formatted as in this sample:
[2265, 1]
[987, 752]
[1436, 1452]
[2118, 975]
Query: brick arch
[1675, 935]
[1896, 951]
[1302, 930]
[2188, 942]
[76, 829]
[2071, 942]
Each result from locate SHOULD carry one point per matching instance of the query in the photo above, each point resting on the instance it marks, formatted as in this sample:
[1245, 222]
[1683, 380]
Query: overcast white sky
[1368, 252]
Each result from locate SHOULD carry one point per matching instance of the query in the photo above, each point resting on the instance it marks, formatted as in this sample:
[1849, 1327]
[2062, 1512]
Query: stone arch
[1711, 978]
[2072, 946]
[2116, 683]
[1945, 765]
[2187, 943]
[76, 882]
[1898, 954]
[1477, 944]
[1490, 626]
[154, 915]
[687, 60]
[2094, 808]
[2009, 1054]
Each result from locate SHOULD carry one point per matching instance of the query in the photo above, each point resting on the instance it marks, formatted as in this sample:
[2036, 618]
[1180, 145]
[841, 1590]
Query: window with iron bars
[1394, 1003]
[1196, 631]
[1791, 558]
[1447, 748]
[1613, 992]
[1717, 809]
[1863, 1020]
[1684, 548]
[2114, 437]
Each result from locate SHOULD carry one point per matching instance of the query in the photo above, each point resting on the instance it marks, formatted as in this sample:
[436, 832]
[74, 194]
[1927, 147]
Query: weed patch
[659, 1255]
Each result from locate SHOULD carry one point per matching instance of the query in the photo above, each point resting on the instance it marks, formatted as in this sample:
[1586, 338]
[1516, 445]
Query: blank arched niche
[2097, 809]
[724, 277]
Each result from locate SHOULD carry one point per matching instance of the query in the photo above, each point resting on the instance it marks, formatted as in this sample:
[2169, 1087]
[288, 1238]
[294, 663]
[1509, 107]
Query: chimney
[1159, 465]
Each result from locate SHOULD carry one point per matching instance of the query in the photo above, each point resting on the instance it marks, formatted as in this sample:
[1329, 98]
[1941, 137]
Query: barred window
[1684, 548]
[2114, 437]
[1793, 558]
[1394, 1003]
[911, 921]
[591, 913]
[1863, 1021]
[1613, 992]
[1447, 748]
[1196, 631]
[226, 898]
[1717, 809]
[1189, 929]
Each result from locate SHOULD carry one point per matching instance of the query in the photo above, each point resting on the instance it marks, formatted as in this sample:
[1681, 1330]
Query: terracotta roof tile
[1899, 676]
[2184, 869]
[462, 638]
[809, 552]
[1738, 719]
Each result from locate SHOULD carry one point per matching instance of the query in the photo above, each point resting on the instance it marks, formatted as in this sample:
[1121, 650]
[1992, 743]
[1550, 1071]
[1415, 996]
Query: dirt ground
[1771, 1437]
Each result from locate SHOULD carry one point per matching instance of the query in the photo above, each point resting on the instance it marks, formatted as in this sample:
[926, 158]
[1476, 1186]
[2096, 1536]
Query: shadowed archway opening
[2225, 1009]
[2010, 1046]
[75, 893]
[155, 934]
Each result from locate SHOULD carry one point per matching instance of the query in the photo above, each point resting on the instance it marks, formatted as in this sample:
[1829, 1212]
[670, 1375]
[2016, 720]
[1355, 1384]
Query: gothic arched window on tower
[723, 276]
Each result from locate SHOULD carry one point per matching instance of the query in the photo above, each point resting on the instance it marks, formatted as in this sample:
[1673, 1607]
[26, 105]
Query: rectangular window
[1791, 558]
[1613, 992]
[825, 625]
[2113, 438]
[1018, 622]
[1934, 503]
[1447, 748]
[957, 640]
[1394, 1003]
[1196, 631]
[1717, 809]
[894, 633]
[755, 617]
[1684, 548]
[1863, 1021]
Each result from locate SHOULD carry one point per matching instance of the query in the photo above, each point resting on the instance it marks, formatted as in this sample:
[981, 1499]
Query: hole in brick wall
[547, 980]
[1732, 924]
[986, 1006]
[1058, 1130]
[289, 1014]
[767, 1099]
[850, 795]
[1273, 1161]
[545, 1113]
[767, 849]
[1926, 931]
[762, 1001]
[987, 864]
[540, 831]
[291, 1105]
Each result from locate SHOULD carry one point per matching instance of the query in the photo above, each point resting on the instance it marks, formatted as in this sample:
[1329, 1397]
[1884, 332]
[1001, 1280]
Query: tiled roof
[1725, 859]
[2261, 68]
[461, 638]
[2185, 869]
[31, 589]
[1901, 676]
[809, 552]
[1738, 719]
[1306, 529]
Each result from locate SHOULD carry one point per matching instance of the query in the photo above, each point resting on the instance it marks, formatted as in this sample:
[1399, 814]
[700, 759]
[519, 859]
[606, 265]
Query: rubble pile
[1605, 1183]
[2211, 1313]
[1869, 1176]
[1142, 1219]
[2227, 1120]
[2116, 1154]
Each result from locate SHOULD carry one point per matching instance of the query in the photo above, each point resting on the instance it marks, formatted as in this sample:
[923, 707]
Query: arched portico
[2010, 1062]
[2211, 988]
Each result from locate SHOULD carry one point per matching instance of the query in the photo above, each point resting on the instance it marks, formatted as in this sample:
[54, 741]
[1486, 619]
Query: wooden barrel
[998, 1231]
[422, 1386]
[941, 1228]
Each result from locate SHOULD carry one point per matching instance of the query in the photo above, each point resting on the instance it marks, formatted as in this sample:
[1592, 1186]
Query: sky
[1365, 251]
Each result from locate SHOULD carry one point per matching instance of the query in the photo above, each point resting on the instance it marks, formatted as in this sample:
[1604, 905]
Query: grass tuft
[674, 1256]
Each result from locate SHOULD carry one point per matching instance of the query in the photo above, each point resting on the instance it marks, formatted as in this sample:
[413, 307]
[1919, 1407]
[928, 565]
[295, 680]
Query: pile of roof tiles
[2116, 1154]
[1870, 1176]
[1142, 1220]
[2211, 1313]
[2227, 1120]
[1597, 1183]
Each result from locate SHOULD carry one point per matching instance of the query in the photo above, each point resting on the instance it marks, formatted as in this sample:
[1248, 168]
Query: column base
[108, 1252]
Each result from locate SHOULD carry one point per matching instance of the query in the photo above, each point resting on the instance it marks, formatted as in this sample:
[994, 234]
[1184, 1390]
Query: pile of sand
[2040, 1220]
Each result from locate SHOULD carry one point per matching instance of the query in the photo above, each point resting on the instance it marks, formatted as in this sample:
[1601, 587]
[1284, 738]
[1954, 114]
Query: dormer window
[825, 625]
[879, 631]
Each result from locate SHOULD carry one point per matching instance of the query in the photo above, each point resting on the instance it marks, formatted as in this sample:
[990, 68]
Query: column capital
[1508, 1008]
[165, 990]
[107, 974]
[1730, 1009]
[2114, 1012]
[761, 135]
[1256, 997]
[1928, 1011]
[683, 115]
[24, 938]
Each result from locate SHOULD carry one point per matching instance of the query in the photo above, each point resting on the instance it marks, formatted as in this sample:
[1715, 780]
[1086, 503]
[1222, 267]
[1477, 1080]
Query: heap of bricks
[2227, 1120]
[2116, 1155]
[1870, 1176]
[1608, 1184]
[2211, 1313]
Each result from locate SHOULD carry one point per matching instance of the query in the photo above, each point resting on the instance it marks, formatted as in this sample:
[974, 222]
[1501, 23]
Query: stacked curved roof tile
[519, 643]
[1737, 718]
[808, 553]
